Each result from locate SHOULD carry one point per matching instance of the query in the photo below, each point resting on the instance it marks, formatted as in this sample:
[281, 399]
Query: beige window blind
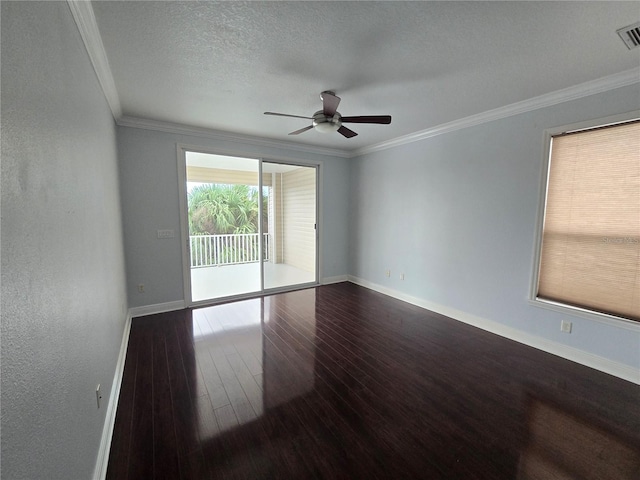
[590, 254]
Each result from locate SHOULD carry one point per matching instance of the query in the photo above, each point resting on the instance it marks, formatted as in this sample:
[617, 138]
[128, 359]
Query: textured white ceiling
[221, 65]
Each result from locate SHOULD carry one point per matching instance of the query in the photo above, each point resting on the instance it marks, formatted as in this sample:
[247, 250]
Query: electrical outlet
[141, 288]
[402, 276]
[565, 326]
[98, 395]
[388, 273]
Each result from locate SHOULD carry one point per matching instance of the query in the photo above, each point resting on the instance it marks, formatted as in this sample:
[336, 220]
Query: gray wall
[456, 214]
[149, 185]
[63, 296]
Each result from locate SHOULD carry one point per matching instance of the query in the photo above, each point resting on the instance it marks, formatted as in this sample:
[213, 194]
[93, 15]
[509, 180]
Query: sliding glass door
[250, 226]
[223, 204]
[291, 213]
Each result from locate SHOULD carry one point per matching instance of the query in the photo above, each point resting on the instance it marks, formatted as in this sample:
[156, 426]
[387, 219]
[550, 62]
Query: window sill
[587, 314]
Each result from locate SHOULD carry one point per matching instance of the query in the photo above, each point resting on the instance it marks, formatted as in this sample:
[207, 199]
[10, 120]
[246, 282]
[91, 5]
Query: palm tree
[220, 209]
[217, 209]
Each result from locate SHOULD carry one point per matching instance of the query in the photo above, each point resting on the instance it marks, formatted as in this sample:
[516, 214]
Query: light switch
[166, 233]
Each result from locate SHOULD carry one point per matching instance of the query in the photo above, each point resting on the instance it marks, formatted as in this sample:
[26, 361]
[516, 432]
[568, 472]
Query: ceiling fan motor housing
[325, 124]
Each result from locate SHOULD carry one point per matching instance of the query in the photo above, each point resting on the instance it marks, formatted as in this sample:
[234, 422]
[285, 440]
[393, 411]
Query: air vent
[630, 35]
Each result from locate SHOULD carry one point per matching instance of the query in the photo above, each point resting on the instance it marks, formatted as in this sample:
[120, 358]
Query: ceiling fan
[329, 119]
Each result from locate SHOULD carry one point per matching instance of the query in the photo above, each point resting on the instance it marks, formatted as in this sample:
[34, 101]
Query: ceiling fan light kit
[325, 124]
[329, 119]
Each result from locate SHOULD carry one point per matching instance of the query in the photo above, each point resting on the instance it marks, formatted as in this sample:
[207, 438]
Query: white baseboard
[157, 308]
[597, 362]
[338, 279]
[100, 470]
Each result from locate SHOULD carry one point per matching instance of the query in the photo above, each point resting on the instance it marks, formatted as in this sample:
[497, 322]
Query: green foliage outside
[217, 209]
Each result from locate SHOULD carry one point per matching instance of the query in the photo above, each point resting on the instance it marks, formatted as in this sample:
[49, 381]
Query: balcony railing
[214, 250]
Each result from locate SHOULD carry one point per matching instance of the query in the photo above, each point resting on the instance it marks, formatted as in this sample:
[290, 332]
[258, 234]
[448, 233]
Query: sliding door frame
[316, 281]
[181, 150]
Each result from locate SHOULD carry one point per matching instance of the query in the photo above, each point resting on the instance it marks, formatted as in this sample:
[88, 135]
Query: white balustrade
[213, 250]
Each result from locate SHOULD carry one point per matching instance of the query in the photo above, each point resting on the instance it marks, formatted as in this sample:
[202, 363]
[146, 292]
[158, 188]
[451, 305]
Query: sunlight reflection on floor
[224, 281]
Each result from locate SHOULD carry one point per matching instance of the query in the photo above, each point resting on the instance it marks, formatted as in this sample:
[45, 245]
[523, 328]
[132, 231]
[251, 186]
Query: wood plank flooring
[340, 382]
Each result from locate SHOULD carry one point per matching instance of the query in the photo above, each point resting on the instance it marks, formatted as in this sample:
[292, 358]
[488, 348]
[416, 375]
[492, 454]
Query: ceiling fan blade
[302, 130]
[346, 132]
[385, 119]
[287, 115]
[329, 103]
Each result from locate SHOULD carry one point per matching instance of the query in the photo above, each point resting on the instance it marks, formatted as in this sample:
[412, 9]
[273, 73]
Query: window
[590, 250]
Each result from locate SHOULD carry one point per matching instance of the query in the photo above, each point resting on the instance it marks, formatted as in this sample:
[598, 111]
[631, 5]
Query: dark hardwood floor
[340, 382]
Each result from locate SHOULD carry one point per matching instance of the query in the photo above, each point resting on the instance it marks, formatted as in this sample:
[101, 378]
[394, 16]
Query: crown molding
[85, 19]
[611, 82]
[168, 127]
